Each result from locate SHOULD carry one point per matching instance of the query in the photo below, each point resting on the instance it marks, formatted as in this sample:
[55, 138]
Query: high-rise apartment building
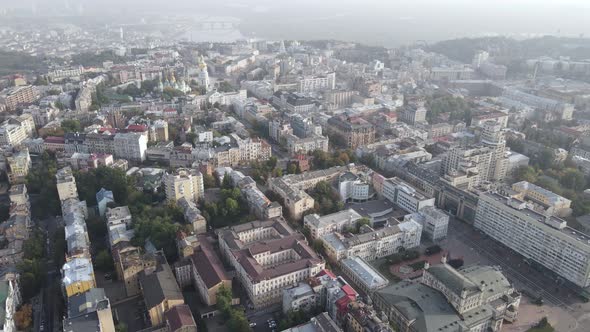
[187, 183]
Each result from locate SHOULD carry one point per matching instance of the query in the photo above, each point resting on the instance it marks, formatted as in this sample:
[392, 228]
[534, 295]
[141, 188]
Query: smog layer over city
[297, 166]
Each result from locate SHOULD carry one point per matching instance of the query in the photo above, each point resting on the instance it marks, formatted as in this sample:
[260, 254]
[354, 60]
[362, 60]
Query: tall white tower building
[203, 74]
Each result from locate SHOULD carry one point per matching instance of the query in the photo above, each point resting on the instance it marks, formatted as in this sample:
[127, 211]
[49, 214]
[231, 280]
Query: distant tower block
[121, 33]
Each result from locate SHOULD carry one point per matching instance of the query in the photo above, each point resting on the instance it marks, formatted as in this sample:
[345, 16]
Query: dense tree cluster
[71, 126]
[32, 267]
[327, 200]
[323, 160]
[235, 317]
[263, 170]
[41, 181]
[457, 107]
[231, 208]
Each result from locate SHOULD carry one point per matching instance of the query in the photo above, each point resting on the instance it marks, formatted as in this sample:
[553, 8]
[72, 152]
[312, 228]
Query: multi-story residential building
[304, 126]
[363, 318]
[130, 146]
[89, 310]
[559, 205]
[18, 165]
[413, 114]
[279, 129]
[487, 163]
[12, 134]
[17, 96]
[451, 73]
[405, 196]
[435, 223]
[354, 131]
[66, 184]
[475, 298]
[335, 222]
[41, 115]
[323, 291]
[339, 98]
[561, 110]
[317, 83]
[302, 297]
[158, 131]
[187, 183]
[192, 215]
[78, 276]
[160, 292]
[268, 256]
[252, 149]
[537, 235]
[373, 244]
[293, 102]
[296, 145]
[61, 73]
[362, 274]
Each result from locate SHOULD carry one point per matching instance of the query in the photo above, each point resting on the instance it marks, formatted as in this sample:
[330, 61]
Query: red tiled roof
[326, 272]
[349, 291]
[55, 140]
[137, 128]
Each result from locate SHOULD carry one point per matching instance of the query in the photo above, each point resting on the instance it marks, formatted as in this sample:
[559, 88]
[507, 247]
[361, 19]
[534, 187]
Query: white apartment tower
[187, 183]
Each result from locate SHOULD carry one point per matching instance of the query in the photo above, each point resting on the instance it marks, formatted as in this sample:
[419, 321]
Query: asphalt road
[51, 290]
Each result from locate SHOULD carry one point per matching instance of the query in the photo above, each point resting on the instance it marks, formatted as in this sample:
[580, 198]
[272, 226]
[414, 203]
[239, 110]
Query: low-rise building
[335, 222]
[208, 273]
[539, 195]
[160, 292]
[78, 276]
[89, 311]
[363, 275]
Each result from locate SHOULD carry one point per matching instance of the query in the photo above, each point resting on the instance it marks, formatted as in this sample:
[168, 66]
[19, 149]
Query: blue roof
[103, 193]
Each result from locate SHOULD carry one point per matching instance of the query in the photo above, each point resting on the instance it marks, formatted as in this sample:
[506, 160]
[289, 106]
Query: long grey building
[538, 236]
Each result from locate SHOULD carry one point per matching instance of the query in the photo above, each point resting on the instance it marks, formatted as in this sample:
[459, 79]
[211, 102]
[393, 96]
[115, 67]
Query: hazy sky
[374, 21]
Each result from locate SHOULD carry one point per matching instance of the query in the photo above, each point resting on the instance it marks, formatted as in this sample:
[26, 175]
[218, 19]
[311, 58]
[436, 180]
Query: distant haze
[383, 22]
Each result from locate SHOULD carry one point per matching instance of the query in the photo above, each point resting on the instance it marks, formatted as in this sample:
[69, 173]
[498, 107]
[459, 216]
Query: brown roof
[284, 238]
[295, 242]
[179, 317]
[209, 266]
